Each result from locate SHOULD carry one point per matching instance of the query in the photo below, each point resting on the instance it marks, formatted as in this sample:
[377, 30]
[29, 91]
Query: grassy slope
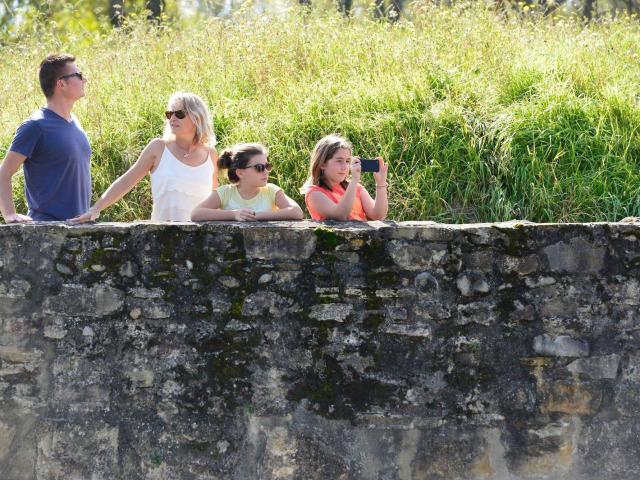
[481, 119]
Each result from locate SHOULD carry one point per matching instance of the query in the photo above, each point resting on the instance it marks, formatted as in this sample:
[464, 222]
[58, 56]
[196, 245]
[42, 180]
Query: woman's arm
[341, 210]
[288, 209]
[377, 209]
[214, 158]
[211, 209]
[125, 182]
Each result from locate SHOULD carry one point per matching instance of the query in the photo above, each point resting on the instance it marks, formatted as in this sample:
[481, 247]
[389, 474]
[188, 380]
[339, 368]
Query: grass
[481, 118]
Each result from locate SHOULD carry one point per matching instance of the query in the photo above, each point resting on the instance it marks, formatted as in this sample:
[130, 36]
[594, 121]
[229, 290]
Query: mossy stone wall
[308, 351]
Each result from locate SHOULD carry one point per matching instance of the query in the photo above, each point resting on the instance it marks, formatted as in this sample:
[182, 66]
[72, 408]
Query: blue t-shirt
[57, 173]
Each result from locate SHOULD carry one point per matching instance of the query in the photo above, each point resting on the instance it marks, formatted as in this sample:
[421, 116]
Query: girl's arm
[341, 210]
[211, 209]
[288, 209]
[125, 182]
[377, 209]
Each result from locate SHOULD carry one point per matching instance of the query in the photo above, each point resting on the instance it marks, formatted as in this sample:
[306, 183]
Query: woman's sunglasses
[260, 167]
[178, 113]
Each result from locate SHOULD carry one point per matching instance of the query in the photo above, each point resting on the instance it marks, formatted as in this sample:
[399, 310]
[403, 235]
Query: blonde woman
[182, 164]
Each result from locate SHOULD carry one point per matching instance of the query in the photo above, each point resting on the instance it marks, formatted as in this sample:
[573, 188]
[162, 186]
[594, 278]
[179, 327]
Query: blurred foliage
[71, 16]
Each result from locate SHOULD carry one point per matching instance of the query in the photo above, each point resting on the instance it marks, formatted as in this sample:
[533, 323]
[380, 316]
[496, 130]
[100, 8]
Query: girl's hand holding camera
[379, 170]
[356, 169]
[381, 175]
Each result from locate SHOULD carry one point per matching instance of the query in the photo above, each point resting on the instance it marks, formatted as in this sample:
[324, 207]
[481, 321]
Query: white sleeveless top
[178, 188]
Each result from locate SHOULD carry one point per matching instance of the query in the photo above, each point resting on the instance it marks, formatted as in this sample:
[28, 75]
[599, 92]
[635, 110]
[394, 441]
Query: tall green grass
[481, 118]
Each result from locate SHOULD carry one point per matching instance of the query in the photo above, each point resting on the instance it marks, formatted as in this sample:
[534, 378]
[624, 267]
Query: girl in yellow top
[249, 197]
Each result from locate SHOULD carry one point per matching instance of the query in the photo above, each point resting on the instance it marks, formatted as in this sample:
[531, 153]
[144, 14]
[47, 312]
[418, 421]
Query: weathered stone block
[471, 283]
[433, 310]
[287, 280]
[560, 346]
[14, 289]
[264, 243]
[79, 452]
[411, 256]
[609, 449]
[631, 368]
[220, 304]
[141, 378]
[56, 330]
[128, 269]
[480, 261]
[426, 283]
[550, 451]
[520, 265]
[261, 302]
[605, 366]
[414, 330]
[229, 282]
[395, 313]
[628, 293]
[394, 293]
[572, 398]
[426, 231]
[337, 312]
[147, 293]
[539, 282]
[77, 300]
[14, 354]
[627, 399]
[578, 255]
[482, 313]
[152, 308]
[265, 278]
[7, 433]
[560, 306]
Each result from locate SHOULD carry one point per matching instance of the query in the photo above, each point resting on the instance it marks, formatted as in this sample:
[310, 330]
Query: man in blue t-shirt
[53, 150]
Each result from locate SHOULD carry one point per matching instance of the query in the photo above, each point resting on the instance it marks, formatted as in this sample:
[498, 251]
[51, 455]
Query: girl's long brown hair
[324, 151]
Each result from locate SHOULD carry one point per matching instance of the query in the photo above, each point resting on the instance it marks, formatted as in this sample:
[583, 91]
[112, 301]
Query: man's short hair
[51, 69]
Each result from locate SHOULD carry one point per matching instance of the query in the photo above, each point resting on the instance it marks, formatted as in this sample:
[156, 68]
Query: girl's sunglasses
[178, 113]
[260, 167]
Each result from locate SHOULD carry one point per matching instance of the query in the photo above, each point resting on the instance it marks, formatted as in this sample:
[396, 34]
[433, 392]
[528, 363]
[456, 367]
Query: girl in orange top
[328, 194]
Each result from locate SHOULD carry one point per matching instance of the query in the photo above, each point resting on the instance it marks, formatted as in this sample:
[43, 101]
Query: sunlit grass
[481, 118]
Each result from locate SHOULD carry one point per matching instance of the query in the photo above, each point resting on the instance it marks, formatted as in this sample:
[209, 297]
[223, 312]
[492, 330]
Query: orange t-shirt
[357, 212]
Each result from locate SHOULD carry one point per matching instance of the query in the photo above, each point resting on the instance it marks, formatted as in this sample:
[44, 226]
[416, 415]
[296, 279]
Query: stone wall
[299, 351]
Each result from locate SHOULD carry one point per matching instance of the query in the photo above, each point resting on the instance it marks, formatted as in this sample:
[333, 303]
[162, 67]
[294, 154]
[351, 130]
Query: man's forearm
[7, 207]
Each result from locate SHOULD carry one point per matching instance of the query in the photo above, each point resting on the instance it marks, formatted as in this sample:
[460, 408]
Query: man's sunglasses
[260, 167]
[178, 113]
[74, 74]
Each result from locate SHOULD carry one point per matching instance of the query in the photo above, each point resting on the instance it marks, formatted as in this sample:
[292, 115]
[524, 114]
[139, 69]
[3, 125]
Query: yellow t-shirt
[264, 201]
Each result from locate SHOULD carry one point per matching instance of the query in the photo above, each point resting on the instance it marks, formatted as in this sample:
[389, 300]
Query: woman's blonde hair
[198, 112]
[324, 151]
